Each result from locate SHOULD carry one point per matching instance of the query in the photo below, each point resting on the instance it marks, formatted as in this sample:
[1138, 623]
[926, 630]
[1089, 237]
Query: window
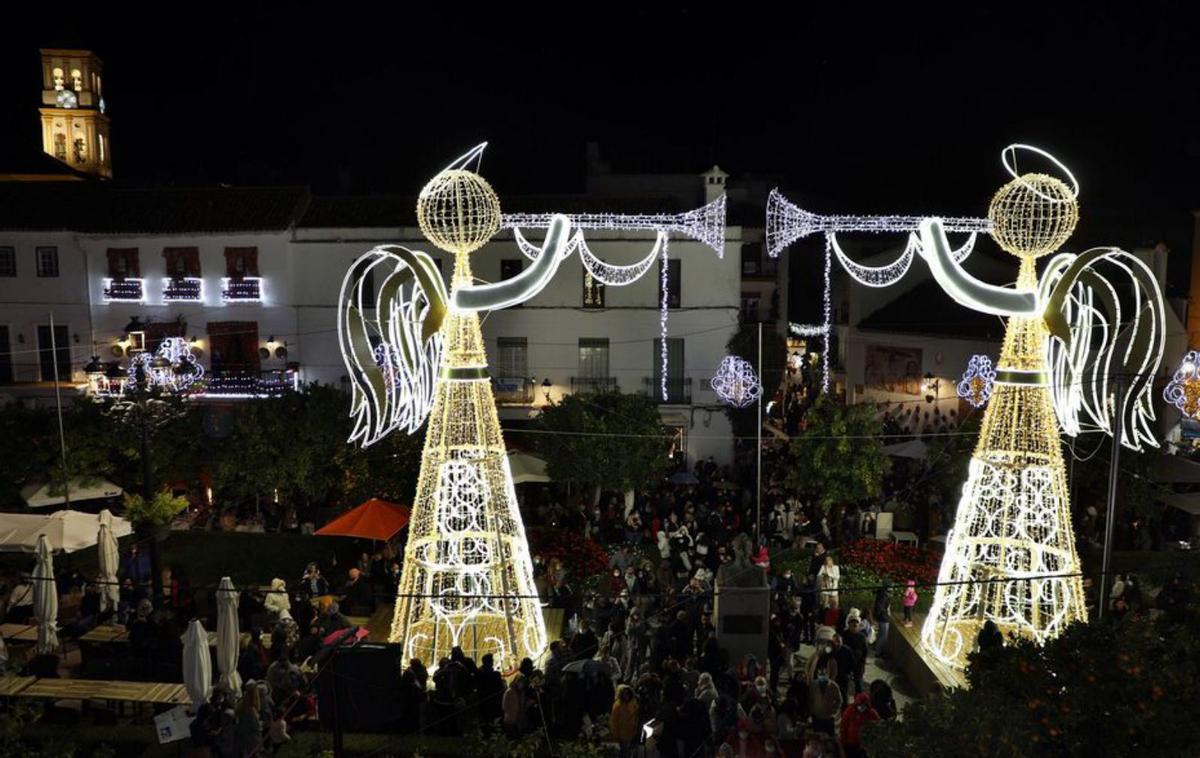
[674, 273]
[593, 291]
[512, 357]
[182, 261]
[60, 146]
[54, 353]
[593, 358]
[510, 267]
[47, 261]
[751, 258]
[123, 262]
[6, 367]
[675, 371]
[750, 306]
[80, 151]
[8, 261]
[241, 262]
[370, 295]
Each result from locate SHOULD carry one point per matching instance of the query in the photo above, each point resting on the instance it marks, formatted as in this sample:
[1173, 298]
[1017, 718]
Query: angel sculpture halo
[1033, 215]
[458, 210]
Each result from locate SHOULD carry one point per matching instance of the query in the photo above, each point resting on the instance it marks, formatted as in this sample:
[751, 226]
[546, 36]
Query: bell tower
[74, 125]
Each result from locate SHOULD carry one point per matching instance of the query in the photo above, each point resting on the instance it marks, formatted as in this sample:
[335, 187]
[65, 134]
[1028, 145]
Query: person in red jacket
[857, 715]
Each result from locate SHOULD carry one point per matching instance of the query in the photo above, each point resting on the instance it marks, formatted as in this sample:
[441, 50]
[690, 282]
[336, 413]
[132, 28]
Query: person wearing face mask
[824, 702]
[857, 715]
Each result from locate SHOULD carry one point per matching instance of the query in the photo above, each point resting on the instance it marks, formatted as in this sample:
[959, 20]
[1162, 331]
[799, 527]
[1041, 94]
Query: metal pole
[758, 450]
[1114, 464]
[62, 437]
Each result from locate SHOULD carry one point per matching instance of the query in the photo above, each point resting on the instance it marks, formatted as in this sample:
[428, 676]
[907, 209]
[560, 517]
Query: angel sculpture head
[458, 210]
[1033, 214]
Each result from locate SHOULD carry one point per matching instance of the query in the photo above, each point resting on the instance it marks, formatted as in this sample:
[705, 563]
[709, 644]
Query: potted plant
[154, 515]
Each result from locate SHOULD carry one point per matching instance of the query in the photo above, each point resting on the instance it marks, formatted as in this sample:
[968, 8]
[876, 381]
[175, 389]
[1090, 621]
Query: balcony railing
[513, 391]
[182, 289]
[592, 385]
[679, 389]
[757, 267]
[248, 289]
[124, 290]
[235, 385]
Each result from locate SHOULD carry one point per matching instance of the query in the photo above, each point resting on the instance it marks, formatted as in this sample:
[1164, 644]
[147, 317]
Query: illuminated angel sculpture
[415, 352]
[1091, 324]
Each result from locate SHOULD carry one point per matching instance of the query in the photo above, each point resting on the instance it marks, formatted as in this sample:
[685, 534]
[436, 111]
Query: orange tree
[1128, 688]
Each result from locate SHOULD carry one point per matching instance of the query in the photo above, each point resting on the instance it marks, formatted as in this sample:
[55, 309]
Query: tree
[1098, 688]
[577, 446]
[744, 344]
[838, 457]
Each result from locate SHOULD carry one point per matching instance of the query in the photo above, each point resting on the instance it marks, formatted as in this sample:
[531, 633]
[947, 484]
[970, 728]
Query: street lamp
[931, 387]
[546, 385]
[94, 370]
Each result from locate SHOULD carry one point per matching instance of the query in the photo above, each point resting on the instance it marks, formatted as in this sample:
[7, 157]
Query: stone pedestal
[742, 616]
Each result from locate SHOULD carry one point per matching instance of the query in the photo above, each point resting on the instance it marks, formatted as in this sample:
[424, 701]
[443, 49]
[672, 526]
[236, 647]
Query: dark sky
[852, 110]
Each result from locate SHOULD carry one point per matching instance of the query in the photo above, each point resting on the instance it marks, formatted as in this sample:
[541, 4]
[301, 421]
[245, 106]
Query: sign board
[173, 725]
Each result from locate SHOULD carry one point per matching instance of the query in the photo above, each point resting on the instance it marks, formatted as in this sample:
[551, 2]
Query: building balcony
[237, 385]
[679, 390]
[760, 269]
[593, 385]
[183, 289]
[127, 290]
[513, 391]
[248, 289]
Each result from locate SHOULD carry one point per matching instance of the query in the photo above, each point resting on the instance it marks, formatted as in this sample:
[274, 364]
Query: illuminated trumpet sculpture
[787, 223]
[1010, 556]
[414, 351]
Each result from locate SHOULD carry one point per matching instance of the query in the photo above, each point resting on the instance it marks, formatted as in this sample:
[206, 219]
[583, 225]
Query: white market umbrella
[67, 531]
[527, 468]
[915, 449]
[227, 636]
[77, 489]
[197, 664]
[45, 598]
[106, 543]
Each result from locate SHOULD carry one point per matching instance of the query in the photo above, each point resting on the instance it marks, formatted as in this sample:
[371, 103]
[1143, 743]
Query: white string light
[1183, 391]
[827, 310]
[883, 276]
[181, 372]
[127, 290]
[977, 381]
[736, 383]
[663, 315]
[808, 330]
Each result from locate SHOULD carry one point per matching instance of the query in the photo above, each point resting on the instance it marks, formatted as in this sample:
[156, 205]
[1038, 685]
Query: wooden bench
[13, 685]
[156, 693]
[106, 634]
[19, 632]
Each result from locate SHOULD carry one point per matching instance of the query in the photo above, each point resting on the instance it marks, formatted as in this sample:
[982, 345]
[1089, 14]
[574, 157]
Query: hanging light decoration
[1183, 391]
[977, 381]
[736, 383]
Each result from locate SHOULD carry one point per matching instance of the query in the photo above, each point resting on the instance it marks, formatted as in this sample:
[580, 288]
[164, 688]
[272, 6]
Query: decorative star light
[1183, 391]
[977, 381]
[736, 383]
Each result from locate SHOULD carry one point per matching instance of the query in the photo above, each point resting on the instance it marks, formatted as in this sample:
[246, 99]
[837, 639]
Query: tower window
[8, 261]
[77, 78]
[47, 261]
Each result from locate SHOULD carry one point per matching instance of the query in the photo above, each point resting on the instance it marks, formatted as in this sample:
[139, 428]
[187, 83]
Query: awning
[40, 497]
[526, 468]
[1174, 469]
[373, 520]
[1188, 503]
[915, 449]
[66, 531]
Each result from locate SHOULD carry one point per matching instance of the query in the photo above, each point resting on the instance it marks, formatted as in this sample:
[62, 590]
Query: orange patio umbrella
[373, 520]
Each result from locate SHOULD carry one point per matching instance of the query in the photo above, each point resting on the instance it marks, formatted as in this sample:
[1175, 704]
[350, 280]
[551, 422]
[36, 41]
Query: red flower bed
[582, 557]
[896, 561]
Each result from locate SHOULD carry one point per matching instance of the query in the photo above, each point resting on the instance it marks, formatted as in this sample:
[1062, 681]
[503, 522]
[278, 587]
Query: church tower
[74, 126]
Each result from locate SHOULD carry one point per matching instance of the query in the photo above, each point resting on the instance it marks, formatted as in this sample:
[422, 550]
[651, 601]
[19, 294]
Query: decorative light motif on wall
[248, 289]
[977, 381]
[172, 367]
[1183, 391]
[1065, 338]
[736, 383]
[705, 224]
[183, 289]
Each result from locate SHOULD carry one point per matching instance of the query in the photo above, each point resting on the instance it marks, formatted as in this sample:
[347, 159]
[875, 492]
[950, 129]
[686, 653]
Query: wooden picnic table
[12, 685]
[19, 632]
[167, 693]
[106, 634]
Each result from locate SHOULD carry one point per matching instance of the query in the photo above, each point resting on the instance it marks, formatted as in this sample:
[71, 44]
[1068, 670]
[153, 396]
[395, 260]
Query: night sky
[849, 110]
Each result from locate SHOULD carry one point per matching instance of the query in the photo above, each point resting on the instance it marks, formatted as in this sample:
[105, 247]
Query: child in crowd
[910, 600]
